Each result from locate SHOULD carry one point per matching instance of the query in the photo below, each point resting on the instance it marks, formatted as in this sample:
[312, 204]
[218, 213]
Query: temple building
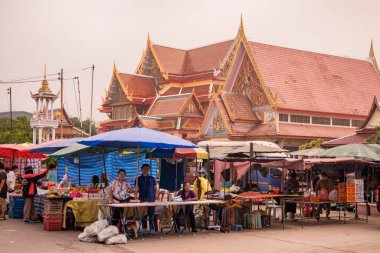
[364, 133]
[243, 90]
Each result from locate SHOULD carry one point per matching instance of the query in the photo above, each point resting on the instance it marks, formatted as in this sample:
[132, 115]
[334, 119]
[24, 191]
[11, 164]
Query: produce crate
[52, 226]
[342, 199]
[16, 213]
[52, 221]
[16, 202]
[351, 198]
[53, 206]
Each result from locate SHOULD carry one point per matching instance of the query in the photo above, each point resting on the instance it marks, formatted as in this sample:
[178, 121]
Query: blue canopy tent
[92, 164]
[137, 138]
[53, 146]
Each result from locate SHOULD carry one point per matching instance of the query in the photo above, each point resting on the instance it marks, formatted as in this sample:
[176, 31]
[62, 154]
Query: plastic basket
[53, 217]
[52, 225]
[16, 202]
[15, 213]
[53, 206]
[350, 190]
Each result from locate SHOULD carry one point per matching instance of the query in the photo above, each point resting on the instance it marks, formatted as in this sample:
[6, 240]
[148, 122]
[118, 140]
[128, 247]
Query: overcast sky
[74, 34]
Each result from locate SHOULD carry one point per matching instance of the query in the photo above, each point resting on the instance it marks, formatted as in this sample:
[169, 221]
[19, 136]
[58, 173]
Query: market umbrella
[362, 151]
[137, 138]
[17, 151]
[178, 153]
[53, 146]
[307, 152]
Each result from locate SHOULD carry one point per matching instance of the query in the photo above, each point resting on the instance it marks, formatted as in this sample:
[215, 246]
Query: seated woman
[187, 195]
[95, 182]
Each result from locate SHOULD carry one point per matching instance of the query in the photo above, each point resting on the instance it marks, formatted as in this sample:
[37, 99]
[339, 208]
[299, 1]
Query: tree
[21, 130]
[312, 144]
[85, 125]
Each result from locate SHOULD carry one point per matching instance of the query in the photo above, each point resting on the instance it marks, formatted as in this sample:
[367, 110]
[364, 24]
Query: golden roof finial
[45, 86]
[241, 26]
[148, 41]
[371, 51]
[114, 66]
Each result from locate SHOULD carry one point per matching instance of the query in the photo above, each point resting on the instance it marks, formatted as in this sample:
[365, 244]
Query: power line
[35, 81]
[75, 93]
[14, 80]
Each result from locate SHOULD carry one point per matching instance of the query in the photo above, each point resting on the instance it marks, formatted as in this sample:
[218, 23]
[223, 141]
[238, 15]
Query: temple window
[340, 122]
[356, 123]
[300, 119]
[321, 121]
[283, 117]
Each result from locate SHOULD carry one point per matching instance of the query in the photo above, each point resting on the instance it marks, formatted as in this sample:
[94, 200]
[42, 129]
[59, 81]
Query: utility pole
[80, 106]
[10, 106]
[61, 77]
[92, 97]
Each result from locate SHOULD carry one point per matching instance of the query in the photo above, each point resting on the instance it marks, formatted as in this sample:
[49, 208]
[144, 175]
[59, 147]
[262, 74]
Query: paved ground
[327, 236]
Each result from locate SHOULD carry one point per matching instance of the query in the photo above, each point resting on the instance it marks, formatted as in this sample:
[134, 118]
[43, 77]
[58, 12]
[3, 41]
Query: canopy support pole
[176, 175]
[78, 169]
[104, 163]
[137, 167]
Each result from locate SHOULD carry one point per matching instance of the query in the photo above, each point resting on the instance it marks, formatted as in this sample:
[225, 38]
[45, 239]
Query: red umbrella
[17, 151]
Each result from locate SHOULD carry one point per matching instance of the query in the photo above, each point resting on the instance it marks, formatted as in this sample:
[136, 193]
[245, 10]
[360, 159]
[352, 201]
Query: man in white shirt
[11, 178]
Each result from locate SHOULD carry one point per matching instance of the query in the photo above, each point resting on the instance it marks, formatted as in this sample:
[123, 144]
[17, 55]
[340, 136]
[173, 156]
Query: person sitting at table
[95, 182]
[323, 188]
[187, 195]
[148, 192]
[201, 184]
[119, 192]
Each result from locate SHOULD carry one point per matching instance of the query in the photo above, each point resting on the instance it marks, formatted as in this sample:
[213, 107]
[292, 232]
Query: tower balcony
[44, 123]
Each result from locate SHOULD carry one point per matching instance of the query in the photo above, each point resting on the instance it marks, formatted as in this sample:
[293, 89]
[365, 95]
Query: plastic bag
[107, 233]
[119, 239]
[323, 195]
[92, 239]
[94, 229]
[333, 196]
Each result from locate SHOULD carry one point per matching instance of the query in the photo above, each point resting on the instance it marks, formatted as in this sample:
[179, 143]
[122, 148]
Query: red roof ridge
[133, 74]
[337, 139]
[194, 48]
[312, 52]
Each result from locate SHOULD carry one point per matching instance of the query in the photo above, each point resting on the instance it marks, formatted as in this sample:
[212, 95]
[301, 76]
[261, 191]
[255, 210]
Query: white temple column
[53, 134]
[34, 135]
[36, 108]
[47, 134]
[39, 135]
[51, 109]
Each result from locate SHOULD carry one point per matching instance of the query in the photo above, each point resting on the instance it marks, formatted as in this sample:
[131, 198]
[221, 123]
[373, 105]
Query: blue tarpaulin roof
[92, 164]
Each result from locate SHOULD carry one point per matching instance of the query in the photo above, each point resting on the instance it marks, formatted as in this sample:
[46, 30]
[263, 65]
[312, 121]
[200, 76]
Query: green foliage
[21, 130]
[312, 144]
[85, 125]
[50, 161]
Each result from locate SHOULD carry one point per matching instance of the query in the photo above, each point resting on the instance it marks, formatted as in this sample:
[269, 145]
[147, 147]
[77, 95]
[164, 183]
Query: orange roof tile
[317, 82]
[241, 106]
[190, 64]
[168, 106]
[300, 130]
[139, 85]
[357, 138]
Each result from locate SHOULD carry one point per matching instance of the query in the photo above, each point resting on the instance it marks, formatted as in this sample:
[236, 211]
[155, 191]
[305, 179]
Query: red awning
[17, 151]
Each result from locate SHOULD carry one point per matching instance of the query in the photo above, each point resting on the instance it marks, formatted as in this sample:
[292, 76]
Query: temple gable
[150, 67]
[247, 82]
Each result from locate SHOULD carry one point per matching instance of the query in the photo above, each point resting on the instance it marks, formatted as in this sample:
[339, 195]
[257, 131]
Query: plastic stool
[236, 227]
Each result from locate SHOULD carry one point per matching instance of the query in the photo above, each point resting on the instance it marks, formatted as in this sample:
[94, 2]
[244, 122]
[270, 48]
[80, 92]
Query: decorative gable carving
[248, 82]
[149, 67]
[216, 125]
[116, 93]
[228, 62]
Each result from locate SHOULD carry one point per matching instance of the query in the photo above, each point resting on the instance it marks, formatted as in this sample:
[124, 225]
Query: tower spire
[45, 85]
[371, 51]
[45, 72]
[148, 41]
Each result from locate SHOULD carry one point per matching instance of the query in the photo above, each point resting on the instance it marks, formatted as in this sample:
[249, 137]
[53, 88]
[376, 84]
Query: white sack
[119, 239]
[107, 233]
[94, 229]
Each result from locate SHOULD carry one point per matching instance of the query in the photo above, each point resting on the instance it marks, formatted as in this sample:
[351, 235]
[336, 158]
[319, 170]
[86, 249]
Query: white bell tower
[43, 119]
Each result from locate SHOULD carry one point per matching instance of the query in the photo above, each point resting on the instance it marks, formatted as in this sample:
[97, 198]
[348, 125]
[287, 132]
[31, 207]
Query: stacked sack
[100, 231]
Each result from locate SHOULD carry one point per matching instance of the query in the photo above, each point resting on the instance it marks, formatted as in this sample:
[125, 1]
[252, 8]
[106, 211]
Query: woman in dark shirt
[187, 195]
